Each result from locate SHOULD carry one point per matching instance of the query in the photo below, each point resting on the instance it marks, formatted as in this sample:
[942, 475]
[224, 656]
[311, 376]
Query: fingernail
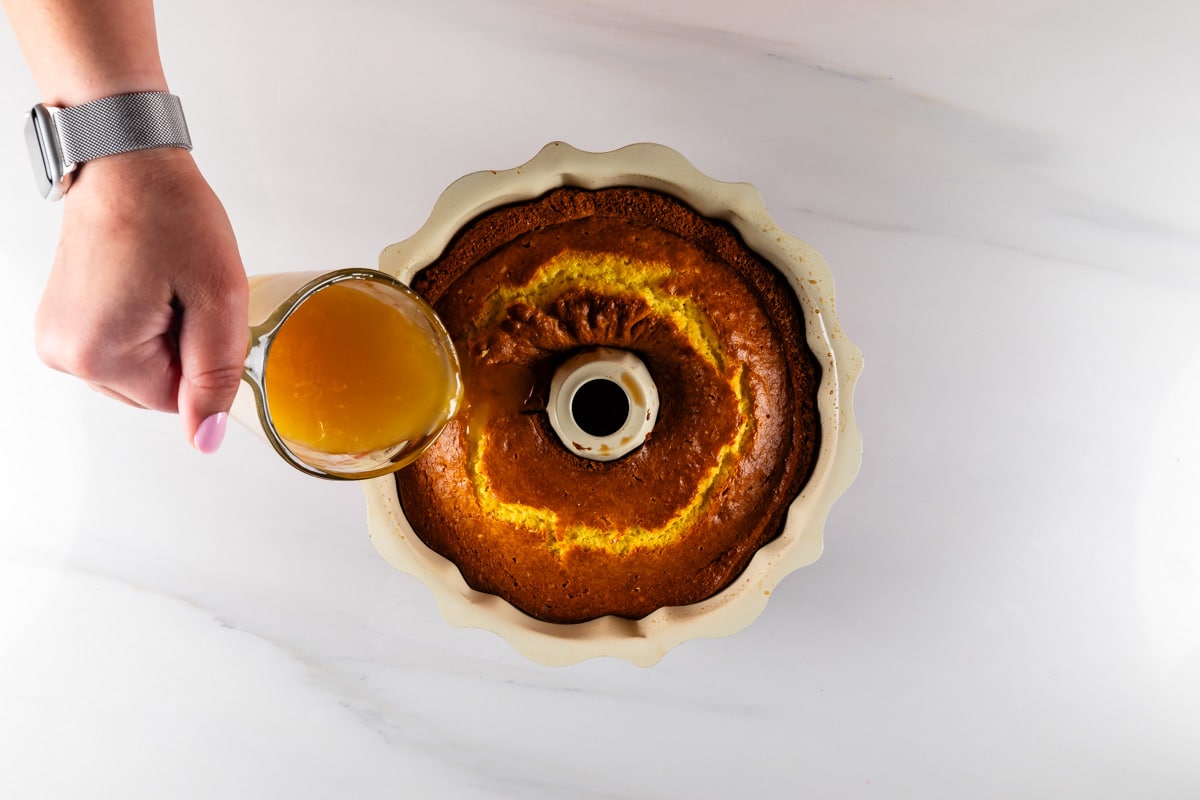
[210, 433]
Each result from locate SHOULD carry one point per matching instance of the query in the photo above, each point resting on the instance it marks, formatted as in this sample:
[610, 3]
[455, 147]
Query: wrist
[62, 139]
[70, 89]
[132, 171]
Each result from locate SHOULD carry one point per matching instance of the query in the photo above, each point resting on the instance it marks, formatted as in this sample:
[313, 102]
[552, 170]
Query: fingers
[187, 359]
[212, 346]
[139, 370]
[107, 392]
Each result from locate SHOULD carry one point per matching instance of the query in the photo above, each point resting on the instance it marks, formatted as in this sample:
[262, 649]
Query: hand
[147, 297]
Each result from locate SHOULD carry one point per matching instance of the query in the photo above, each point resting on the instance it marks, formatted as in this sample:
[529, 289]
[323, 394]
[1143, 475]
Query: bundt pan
[640, 641]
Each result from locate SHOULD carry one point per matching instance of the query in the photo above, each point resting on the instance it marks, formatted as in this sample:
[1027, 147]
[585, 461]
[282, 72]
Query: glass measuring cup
[333, 339]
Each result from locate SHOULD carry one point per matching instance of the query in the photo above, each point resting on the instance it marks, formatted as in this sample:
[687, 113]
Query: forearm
[79, 50]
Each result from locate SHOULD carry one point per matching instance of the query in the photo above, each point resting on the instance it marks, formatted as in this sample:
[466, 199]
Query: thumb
[212, 346]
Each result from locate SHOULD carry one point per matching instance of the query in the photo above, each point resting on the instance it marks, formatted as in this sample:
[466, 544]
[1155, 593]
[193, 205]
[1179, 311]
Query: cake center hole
[600, 407]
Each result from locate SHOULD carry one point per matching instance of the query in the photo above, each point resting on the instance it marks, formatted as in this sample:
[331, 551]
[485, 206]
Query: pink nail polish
[210, 433]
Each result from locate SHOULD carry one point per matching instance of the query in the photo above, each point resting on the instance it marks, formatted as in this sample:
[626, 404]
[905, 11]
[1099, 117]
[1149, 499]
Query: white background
[1009, 600]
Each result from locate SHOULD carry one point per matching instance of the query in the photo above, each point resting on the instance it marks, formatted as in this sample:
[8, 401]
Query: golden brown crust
[743, 411]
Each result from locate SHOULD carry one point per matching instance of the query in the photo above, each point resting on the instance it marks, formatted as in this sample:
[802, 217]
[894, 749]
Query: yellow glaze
[610, 274]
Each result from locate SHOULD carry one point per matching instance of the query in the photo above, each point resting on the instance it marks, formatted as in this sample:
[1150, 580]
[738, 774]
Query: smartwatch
[60, 139]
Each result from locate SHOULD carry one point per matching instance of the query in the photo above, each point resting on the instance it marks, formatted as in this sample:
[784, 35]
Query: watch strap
[121, 123]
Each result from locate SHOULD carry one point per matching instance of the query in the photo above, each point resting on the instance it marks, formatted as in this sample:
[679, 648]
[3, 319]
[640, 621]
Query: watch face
[44, 154]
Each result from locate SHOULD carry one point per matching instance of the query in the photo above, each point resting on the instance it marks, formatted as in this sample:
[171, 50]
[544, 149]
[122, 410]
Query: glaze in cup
[274, 299]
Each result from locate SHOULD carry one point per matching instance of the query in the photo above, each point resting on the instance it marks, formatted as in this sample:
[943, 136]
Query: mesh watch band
[120, 124]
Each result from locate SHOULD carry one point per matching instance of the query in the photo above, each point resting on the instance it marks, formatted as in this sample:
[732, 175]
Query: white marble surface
[1009, 602]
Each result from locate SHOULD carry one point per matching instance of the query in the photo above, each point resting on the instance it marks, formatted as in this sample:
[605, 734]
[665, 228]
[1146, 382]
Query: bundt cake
[565, 537]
